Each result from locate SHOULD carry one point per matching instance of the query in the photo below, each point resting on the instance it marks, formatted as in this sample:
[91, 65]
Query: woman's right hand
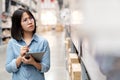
[24, 50]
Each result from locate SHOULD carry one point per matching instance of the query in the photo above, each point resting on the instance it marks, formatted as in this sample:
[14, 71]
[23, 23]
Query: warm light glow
[76, 17]
[48, 17]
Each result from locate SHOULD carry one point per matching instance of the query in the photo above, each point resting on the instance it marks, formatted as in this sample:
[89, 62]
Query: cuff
[14, 66]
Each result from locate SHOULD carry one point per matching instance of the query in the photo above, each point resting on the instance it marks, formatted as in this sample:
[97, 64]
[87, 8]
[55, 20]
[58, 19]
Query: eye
[30, 18]
[24, 20]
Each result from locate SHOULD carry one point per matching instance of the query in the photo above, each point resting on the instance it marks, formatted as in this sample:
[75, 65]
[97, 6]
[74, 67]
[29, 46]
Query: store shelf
[25, 5]
[5, 32]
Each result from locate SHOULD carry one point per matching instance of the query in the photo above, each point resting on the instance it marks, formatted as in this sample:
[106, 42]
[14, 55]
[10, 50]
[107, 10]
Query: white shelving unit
[0, 22]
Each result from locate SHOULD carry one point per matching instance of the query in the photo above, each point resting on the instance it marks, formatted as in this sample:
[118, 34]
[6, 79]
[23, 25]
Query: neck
[27, 37]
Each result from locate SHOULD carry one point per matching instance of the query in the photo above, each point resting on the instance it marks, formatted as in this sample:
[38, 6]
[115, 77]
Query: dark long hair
[16, 29]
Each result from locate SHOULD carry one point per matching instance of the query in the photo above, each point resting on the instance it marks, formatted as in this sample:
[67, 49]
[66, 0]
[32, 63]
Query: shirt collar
[34, 38]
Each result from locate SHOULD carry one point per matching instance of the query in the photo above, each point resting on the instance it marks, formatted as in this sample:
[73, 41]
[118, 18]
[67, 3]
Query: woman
[25, 39]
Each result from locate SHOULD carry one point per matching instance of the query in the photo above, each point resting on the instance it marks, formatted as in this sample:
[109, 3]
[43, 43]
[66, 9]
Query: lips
[30, 26]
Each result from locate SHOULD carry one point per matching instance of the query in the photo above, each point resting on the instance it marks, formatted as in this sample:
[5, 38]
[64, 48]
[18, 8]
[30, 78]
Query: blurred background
[84, 36]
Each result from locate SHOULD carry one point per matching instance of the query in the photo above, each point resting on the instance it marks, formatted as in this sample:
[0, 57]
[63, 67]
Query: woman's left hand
[31, 60]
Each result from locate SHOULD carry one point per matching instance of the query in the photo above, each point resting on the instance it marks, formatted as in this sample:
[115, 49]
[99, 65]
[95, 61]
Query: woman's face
[27, 23]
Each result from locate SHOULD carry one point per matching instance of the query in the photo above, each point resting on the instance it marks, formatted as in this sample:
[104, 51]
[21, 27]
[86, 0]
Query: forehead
[25, 15]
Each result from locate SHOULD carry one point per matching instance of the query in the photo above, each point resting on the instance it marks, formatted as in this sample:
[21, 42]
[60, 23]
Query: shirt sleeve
[10, 59]
[46, 58]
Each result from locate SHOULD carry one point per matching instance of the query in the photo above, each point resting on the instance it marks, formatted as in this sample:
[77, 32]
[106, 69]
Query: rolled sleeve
[10, 59]
[45, 67]
[46, 58]
[12, 67]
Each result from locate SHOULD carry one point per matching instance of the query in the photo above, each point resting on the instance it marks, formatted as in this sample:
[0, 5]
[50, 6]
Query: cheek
[33, 23]
[23, 26]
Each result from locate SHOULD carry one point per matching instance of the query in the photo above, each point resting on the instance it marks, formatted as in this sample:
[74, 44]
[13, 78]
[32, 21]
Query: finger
[24, 48]
[23, 59]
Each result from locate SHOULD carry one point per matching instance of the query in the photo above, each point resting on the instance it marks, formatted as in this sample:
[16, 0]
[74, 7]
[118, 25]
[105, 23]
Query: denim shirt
[26, 71]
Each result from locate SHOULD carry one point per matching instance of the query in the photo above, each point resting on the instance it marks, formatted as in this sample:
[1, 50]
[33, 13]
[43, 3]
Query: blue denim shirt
[25, 71]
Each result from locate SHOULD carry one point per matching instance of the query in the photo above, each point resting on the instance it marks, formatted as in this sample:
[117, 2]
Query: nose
[29, 21]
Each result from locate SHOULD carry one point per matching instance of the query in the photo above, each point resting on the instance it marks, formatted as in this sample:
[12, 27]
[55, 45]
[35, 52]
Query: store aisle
[58, 66]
